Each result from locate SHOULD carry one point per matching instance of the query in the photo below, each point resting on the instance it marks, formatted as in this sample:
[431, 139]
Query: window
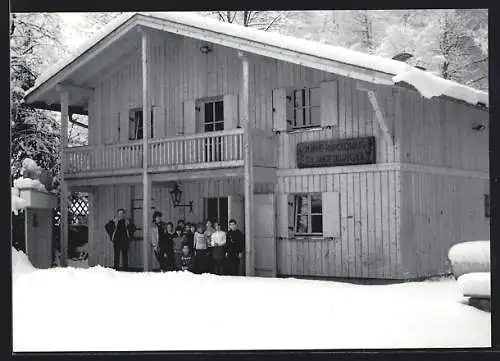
[213, 116]
[304, 108]
[136, 124]
[308, 214]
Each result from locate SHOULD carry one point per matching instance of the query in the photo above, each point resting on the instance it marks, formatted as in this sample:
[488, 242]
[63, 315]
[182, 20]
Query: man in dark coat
[235, 249]
[120, 230]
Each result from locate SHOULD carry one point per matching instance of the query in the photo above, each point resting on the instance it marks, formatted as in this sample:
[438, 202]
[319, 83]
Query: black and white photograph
[250, 180]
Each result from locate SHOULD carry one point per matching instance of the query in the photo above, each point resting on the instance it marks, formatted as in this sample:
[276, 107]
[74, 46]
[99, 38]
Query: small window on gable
[136, 124]
[303, 108]
[308, 214]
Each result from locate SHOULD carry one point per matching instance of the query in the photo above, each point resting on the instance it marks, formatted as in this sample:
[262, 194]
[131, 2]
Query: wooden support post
[64, 186]
[248, 169]
[145, 133]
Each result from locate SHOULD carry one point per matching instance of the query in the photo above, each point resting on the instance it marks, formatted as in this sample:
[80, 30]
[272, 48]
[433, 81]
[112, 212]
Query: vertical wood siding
[39, 236]
[438, 132]
[368, 245]
[437, 212]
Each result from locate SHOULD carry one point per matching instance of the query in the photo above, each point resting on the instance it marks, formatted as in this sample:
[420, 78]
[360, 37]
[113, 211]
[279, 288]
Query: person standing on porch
[168, 245]
[209, 230]
[200, 250]
[235, 249]
[179, 240]
[159, 240]
[189, 235]
[120, 230]
[219, 249]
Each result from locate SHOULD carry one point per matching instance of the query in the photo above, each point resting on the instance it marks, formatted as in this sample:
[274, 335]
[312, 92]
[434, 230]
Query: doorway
[212, 116]
[216, 209]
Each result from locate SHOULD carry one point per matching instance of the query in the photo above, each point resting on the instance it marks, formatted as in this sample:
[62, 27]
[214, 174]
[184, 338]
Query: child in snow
[186, 260]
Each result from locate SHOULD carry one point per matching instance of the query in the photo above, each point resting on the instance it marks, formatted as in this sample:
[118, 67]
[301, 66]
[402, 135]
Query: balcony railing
[205, 150]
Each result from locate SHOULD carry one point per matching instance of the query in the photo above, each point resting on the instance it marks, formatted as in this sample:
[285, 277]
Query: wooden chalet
[331, 168]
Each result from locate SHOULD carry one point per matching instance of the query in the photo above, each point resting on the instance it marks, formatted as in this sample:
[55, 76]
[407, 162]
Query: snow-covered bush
[469, 257]
[475, 284]
[21, 183]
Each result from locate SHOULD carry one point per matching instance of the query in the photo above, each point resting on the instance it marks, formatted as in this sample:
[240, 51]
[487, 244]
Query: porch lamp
[176, 195]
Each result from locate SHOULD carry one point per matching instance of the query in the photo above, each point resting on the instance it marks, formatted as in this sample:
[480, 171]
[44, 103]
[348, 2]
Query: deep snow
[471, 256]
[99, 309]
[476, 284]
[427, 84]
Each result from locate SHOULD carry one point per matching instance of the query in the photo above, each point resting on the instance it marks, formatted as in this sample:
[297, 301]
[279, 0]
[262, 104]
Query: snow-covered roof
[429, 85]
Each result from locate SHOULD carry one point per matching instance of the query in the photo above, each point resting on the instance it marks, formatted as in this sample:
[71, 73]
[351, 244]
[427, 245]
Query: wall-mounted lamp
[205, 49]
[176, 194]
[478, 127]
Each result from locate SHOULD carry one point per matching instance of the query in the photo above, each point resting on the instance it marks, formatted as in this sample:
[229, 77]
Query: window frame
[201, 103]
[305, 108]
[139, 124]
[309, 214]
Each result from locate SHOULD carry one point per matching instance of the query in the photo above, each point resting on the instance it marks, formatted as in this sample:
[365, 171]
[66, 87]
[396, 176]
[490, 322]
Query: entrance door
[265, 239]
[213, 120]
[216, 209]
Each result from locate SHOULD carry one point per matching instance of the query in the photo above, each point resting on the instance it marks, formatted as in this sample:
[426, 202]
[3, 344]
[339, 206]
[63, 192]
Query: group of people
[198, 248]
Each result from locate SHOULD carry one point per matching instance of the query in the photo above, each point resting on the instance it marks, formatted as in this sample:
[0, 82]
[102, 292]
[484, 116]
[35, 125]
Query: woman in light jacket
[219, 249]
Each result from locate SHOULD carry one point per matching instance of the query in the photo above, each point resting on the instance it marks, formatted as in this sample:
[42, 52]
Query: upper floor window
[136, 124]
[303, 108]
[213, 116]
[308, 214]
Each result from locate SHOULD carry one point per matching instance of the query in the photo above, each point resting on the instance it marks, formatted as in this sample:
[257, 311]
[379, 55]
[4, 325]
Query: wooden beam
[72, 121]
[146, 181]
[63, 184]
[247, 168]
[70, 88]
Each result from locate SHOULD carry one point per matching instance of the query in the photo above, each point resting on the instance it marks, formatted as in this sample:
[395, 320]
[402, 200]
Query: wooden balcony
[222, 149]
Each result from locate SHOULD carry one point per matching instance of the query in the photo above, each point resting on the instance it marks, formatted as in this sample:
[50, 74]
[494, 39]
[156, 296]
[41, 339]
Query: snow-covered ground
[99, 309]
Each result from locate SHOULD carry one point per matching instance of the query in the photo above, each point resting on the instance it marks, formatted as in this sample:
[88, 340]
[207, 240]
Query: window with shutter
[308, 214]
[303, 108]
[136, 124]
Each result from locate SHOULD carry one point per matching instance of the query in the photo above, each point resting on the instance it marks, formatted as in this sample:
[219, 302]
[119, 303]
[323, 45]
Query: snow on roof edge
[427, 84]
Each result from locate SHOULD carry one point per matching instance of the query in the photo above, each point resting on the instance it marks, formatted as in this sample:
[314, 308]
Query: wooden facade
[393, 219]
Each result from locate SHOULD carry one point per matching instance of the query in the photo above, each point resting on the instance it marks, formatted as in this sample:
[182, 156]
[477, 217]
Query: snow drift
[22, 182]
[476, 284]
[116, 311]
[469, 257]
[20, 262]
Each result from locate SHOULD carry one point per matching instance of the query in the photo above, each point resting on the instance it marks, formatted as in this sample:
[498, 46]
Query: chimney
[402, 57]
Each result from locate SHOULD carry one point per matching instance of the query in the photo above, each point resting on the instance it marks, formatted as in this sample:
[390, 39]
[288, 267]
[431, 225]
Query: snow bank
[22, 182]
[468, 257]
[429, 84]
[20, 262]
[476, 284]
[118, 311]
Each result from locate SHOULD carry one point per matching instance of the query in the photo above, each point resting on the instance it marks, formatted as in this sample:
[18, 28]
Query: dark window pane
[209, 112]
[316, 203]
[209, 127]
[219, 111]
[302, 225]
[299, 117]
[298, 98]
[219, 126]
[317, 224]
[315, 97]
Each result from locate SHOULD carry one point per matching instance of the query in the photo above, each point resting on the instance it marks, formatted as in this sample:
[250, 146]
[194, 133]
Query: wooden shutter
[331, 214]
[329, 103]
[231, 120]
[189, 118]
[279, 109]
[158, 122]
[131, 125]
[283, 217]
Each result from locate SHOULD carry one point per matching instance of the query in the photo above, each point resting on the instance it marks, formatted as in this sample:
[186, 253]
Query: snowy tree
[263, 20]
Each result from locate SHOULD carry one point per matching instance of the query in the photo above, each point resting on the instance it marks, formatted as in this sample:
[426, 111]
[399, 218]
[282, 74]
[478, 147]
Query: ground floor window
[308, 214]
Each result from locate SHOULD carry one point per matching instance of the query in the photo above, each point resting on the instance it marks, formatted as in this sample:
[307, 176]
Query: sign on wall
[336, 152]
